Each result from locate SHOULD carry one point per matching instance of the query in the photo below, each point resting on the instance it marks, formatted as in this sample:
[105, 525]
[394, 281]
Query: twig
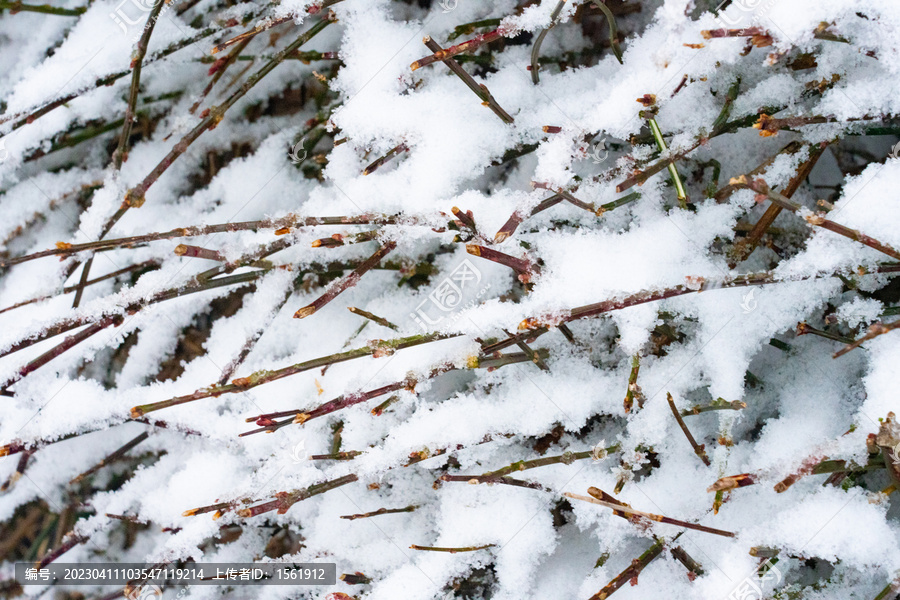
[633, 389]
[381, 321]
[383, 159]
[517, 217]
[698, 449]
[760, 186]
[652, 517]
[480, 89]
[345, 283]
[613, 30]
[18, 6]
[718, 404]
[803, 328]
[874, 331]
[523, 268]
[536, 48]
[745, 248]
[467, 46]
[111, 458]
[381, 511]
[451, 550]
[631, 572]
[565, 458]
[376, 348]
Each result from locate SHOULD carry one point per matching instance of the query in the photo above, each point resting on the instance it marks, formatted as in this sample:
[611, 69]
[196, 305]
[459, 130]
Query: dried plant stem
[539, 40]
[613, 30]
[135, 196]
[517, 217]
[633, 389]
[698, 449]
[480, 89]
[107, 80]
[18, 6]
[381, 511]
[376, 347]
[282, 225]
[375, 318]
[247, 36]
[631, 572]
[523, 268]
[718, 404]
[114, 456]
[451, 550]
[346, 455]
[467, 46]
[745, 248]
[72, 540]
[121, 150]
[804, 328]
[652, 517]
[873, 332]
[220, 67]
[345, 283]
[565, 458]
[534, 327]
[685, 559]
[71, 288]
[812, 467]
[476, 479]
[283, 500]
[67, 344]
[760, 187]
[64, 325]
[378, 162]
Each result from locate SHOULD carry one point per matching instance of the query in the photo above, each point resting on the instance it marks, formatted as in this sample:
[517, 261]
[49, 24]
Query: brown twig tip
[451, 550]
[190, 512]
[732, 482]
[305, 312]
[473, 249]
[137, 412]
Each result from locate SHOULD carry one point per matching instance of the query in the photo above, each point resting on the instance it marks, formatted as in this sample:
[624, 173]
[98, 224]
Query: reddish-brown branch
[114, 456]
[374, 348]
[381, 511]
[467, 46]
[523, 268]
[517, 217]
[345, 283]
[698, 448]
[480, 89]
[874, 331]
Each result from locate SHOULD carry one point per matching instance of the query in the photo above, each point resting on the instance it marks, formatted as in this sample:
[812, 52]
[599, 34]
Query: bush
[627, 268]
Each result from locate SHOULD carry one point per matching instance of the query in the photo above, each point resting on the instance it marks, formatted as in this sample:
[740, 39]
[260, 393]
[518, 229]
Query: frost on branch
[515, 299]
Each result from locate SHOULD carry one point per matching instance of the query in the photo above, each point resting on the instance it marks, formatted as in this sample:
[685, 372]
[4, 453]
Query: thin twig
[698, 449]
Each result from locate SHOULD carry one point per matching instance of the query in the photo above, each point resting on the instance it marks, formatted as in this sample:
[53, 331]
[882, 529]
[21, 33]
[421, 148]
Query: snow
[703, 343]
